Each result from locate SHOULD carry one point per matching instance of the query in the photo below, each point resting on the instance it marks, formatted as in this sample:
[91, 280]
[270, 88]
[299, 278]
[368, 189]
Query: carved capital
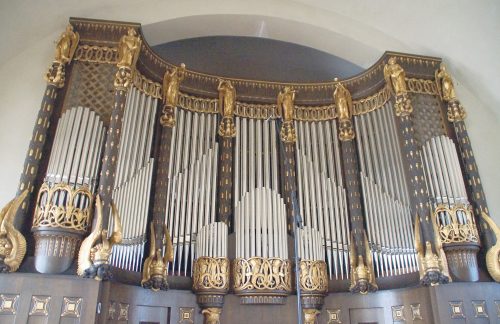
[168, 117]
[456, 111]
[227, 127]
[56, 75]
[346, 131]
[123, 78]
[402, 105]
[287, 132]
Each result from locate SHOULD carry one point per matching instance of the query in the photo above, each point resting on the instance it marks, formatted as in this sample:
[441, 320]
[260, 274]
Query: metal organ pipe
[132, 188]
[385, 194]
[190, 192]
[260, 213]
[321, 194]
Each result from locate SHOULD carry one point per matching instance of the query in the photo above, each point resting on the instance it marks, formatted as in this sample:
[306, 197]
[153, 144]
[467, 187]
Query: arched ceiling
[464, 33]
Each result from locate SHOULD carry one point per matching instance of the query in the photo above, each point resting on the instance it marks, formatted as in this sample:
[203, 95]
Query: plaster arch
[356, 31]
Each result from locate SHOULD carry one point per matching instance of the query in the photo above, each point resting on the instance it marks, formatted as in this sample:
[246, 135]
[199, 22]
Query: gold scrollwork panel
[211, 274]
[262, 274]
[313, 276]
[459, 227]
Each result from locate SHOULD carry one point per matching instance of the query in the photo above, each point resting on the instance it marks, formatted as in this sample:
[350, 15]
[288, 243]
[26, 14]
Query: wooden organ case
[225, 199]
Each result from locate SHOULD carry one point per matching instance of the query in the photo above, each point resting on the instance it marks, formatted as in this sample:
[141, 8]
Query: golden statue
[285, 105]
[284, 108]
[12, 242]
[362, 276]
[66, 45]
[154, 273]
[212, 315]
[93, 258]
[493, 253]
[432, 269]
[171, 82]
[343, 103]
[444, 84]
[227, 105]
[129, 49]
[395, 77]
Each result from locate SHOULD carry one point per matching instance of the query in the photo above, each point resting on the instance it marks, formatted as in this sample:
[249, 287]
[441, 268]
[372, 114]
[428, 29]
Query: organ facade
[194, 198]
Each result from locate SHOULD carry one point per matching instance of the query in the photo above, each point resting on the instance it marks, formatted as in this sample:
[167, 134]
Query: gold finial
[129, 48]
[12, 242]
[395, 79]
[227, 105]
[285, 108]
[171, 83]
[343, 104]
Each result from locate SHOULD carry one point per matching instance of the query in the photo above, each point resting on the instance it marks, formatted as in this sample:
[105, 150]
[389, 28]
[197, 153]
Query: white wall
[464, 33]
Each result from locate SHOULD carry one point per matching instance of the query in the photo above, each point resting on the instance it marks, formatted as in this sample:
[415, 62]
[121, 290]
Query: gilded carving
[362, 273]
[285, 108]
[93, 258]
[154, 274]
[460, 227]
[12, 242]
[343, 103]
[262, 274]
[310, 315]
[433, 268]
[446, 90]
[65, 49]
[211, 274]
[171, 83]
[313, 277]
[66, 46]
[71, 307]
[493, 253]
[227, 103]
[49, 213]
[396, 79]
[212, 315]
[96, 54]
[129, 48]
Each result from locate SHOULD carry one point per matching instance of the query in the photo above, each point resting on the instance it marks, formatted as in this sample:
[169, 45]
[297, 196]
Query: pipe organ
[228, 192]
[322, 196]
[132, 189]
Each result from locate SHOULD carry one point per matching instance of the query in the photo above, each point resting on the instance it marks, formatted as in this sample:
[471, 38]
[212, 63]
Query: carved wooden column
[362, 272]
[155, 277]
[432, 262]
[55, 77]
[227, 132]
[456, 115]
[128, 52]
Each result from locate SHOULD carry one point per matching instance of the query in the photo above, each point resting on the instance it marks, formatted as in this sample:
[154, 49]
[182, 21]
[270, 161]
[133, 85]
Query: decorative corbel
[362, 272]
[154, 273]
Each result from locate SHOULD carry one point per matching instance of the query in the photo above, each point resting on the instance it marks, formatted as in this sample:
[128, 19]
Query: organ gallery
[152, 193]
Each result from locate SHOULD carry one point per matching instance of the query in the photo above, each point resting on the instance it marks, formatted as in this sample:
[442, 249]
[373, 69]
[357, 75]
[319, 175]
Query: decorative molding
[398, 313]
[147, 86]
[8, 304]
[334, 316]
[96, 54]
[457, 309]
[123, 312]
[211, 274]
[72, 307]
[372, 102]
[422, 86]
[40, 305]
[415, 312]
[186, 315]
[274, 275]
[480, 309]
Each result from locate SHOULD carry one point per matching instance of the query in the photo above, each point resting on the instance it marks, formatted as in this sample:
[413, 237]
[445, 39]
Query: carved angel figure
[96, 249]
[431, 268]
[493, 253]
[227, 98]
[66, 45]
[445, 84]
[128, 49]
[285, 105]
[171, 82]
[154, 273]
[395, 76]
[362, 276]
[343, 101]
[12, 242]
